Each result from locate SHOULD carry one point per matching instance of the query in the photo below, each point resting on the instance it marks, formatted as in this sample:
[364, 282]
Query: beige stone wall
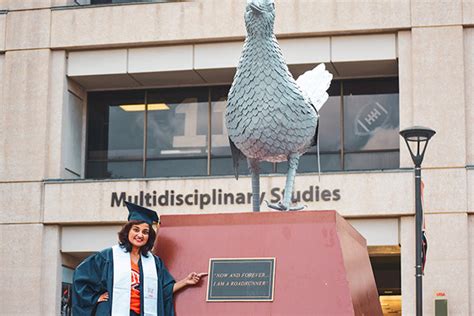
[438, 92]
[25, 4]
[445, 189]
[33, 285]
[360, 195]
[471, 261]
[448, 262]
[407, 255]
[32, 4]
[24, 115]
[28, 29]
[468, 12]
[57, 115]
[51, 273]
[31, 115]
[21, 202]
[405, 79]
[470, 190]
[2, 131]
[469, 88]
[436, 13]
[3, 22]
[153, 24]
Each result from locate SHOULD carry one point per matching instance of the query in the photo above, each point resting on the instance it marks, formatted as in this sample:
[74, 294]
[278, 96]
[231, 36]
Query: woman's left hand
[193, 278]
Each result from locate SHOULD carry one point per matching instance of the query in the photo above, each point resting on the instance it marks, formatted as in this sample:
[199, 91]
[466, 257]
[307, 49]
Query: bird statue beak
[257, 5]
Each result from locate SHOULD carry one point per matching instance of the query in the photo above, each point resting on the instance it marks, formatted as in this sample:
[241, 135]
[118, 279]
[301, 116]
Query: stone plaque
[239, 279]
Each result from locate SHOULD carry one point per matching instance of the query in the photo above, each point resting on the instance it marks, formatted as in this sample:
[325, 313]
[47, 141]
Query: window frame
[275, 168]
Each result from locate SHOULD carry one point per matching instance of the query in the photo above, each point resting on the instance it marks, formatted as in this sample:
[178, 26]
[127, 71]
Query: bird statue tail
[314, 84]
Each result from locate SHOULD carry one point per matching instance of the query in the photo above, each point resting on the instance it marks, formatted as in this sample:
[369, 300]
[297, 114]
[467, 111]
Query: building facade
[107, 101]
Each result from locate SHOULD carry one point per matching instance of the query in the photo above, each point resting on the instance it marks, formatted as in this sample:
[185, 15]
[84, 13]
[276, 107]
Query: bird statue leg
[255, 172]
[284, 205]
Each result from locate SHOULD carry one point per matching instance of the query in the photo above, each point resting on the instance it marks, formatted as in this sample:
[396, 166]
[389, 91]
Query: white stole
[123, 283]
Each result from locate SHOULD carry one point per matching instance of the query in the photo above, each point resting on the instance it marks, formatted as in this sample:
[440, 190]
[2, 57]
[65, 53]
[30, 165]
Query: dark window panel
[387, 274]
[335, 88]
[372, 161]
[371, 122]
[370, 86]
[220, 139]
[177, 122]
[330, 125]
[309, 163]
[115, 131]
[177, 167]
[115, 125]
[223, 165]
[114, 169]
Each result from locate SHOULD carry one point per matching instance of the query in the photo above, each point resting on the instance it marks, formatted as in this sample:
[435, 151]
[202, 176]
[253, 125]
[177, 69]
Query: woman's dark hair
[125, 243]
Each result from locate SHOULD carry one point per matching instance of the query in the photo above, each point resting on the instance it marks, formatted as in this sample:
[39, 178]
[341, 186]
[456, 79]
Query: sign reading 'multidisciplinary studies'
[242, 279]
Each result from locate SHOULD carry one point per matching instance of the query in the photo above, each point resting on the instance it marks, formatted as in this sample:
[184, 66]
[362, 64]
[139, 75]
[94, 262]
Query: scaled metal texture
[270, 116]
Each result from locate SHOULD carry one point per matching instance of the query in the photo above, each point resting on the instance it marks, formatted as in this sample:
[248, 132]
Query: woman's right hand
[103, 298]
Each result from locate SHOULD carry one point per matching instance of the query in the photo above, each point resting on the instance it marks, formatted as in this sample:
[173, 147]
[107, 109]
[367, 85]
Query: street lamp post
[417, 138]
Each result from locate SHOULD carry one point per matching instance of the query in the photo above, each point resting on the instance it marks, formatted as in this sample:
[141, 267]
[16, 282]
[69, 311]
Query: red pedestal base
[322, 265]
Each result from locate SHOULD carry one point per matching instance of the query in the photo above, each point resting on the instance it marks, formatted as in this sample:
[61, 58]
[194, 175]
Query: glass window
[329, 137]
[177, 132]
[115, 134]
[371, 124]
[181, 132]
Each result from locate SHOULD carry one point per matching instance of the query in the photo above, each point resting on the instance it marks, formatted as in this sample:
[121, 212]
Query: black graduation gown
[94, 276]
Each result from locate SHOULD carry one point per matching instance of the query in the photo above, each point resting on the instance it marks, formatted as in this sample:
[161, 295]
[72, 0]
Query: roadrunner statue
[270, 116]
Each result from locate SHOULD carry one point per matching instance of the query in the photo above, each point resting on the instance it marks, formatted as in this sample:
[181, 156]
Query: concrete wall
[31, 121]
[151, 24]
[469, 89]
[50, 271]
[73, 140]
[436, 13]
[32, 4]
[212, 63]
[28, 29]
[25, 115]
[470, 252]
[405, 80]
[2, 123]
[447, 266]
[468, 12]
[448, 262]
[22, 202]
[358, 195]
[438, 92]
[3, 21]
[56, 116]
[39, 269]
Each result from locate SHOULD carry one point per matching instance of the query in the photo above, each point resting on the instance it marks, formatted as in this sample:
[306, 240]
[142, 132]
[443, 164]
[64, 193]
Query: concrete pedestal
[322, 265]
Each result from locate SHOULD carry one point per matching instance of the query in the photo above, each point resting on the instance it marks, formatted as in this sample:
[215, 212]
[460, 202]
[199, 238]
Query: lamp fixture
[417, 138]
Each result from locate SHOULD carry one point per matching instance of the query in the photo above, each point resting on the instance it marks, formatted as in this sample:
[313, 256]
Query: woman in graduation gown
[127, 279]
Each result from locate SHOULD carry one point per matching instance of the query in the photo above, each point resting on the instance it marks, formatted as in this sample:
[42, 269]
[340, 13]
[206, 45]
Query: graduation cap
[140, 213]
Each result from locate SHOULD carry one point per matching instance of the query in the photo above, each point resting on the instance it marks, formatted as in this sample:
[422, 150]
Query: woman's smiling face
[138, 235]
